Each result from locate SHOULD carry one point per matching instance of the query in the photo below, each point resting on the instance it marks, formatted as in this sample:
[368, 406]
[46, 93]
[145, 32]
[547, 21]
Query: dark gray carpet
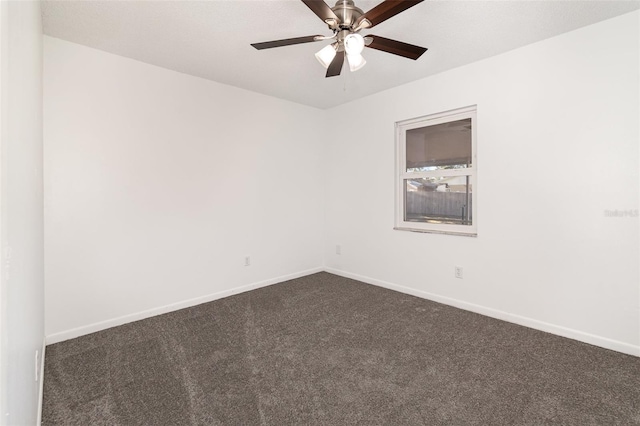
[328, 350]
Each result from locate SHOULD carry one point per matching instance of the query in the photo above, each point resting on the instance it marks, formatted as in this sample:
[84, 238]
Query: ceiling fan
[346, 21]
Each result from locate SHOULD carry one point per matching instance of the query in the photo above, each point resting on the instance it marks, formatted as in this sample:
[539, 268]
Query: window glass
[441, 146]
[436, 188]
[438, 200]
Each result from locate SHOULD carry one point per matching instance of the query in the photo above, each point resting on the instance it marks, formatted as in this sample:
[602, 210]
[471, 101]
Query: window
[436, 188]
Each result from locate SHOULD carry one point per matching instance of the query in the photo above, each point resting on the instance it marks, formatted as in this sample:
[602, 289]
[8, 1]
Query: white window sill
[433, 231]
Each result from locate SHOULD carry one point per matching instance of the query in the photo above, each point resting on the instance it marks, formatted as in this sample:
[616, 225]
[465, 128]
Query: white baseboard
[581, 336]
[41, 384]
[103, 325]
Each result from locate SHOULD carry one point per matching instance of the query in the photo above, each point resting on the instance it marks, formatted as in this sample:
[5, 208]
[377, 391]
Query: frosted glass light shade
[353, 44]
[356, 62]
[326, 55]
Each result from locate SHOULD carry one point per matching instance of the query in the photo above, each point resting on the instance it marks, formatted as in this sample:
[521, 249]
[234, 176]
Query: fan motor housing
[347, 12]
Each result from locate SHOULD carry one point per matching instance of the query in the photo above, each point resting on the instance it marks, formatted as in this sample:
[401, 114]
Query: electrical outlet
[247, 261]
[338, 249]
[458, 272]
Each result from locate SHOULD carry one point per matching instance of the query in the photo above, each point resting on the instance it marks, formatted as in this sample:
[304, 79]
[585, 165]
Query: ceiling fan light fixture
[353, 44]
[345, 20]
[326, 55]
[356, 62]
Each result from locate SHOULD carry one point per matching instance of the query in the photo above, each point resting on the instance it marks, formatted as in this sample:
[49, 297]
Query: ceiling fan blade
[396, 47]
[286, 42]
[385, 10]
[320, 8]
[336, 65]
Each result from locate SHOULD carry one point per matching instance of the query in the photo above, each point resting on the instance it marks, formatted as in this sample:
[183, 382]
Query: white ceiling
[211, 39]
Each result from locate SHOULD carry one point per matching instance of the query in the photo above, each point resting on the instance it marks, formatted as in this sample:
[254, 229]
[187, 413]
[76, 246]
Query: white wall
[557, 146]
[21, 214]
[158, 184]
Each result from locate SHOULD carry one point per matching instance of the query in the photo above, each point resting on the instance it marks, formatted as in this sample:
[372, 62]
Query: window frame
[401, 128]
